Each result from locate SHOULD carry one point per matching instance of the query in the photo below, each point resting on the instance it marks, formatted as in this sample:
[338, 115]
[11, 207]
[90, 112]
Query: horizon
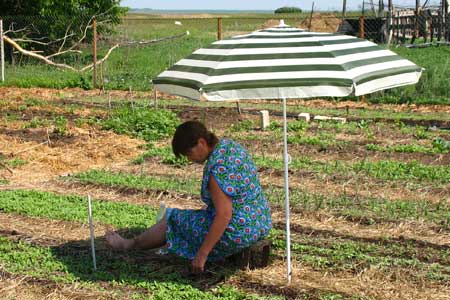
[249, 5]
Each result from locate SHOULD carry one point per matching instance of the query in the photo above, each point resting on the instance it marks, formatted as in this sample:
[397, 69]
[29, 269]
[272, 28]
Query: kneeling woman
[237, 213]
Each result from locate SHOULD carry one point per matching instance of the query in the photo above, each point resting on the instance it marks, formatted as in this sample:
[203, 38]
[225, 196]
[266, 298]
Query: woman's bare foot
[117, 242]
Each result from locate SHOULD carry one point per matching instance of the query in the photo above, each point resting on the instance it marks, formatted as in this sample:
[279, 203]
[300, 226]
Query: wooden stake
[219, 28]
[2, 51]
[94, 45]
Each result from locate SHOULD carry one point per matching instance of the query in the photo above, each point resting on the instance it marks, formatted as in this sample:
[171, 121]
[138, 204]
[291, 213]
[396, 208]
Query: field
[369, 198]
[133, 67]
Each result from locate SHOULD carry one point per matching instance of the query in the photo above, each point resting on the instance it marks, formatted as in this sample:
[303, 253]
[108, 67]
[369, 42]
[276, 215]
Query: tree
[52, 31]
[288, 10]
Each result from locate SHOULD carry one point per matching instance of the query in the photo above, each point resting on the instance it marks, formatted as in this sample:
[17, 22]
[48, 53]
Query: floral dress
[236, 175]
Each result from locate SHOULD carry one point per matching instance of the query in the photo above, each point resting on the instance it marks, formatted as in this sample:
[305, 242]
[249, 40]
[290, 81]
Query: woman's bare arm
[224, 210]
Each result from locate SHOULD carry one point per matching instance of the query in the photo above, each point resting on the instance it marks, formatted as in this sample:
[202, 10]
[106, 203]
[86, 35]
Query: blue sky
[256, 4]
[238, 4]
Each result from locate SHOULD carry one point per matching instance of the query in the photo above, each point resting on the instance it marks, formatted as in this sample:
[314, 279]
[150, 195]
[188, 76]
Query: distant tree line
[288, 10]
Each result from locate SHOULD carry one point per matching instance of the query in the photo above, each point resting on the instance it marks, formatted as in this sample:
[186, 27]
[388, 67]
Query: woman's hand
[198, 264]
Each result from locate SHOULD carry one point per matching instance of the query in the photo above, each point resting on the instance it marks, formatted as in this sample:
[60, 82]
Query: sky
[249, 4]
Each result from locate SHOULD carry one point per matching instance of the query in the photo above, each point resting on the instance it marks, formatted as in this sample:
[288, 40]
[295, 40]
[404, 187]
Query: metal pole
[94, 29]
[91, 227]
[2, 50]
[286, 192]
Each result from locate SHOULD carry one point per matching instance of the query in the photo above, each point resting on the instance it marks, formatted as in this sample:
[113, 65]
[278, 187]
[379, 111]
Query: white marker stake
[91, 227]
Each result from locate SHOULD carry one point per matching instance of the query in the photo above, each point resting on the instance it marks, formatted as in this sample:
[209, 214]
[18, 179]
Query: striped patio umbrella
[285, 62]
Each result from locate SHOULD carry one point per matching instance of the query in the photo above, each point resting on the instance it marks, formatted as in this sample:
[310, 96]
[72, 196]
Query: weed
[36, 123]
[299, 126]
[441, 145]
[60, 125]
[421, 133]
[148, 124]
[17, 162]
[34, 102]
[244, 125]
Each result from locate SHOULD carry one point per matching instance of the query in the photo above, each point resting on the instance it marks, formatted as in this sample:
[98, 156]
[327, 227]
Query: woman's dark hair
[186, 137]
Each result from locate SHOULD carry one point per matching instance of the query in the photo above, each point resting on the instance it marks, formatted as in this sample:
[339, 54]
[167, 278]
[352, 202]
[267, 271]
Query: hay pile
[83, 149]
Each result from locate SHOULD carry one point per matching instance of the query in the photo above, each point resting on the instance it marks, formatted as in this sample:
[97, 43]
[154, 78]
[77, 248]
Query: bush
[288, 10]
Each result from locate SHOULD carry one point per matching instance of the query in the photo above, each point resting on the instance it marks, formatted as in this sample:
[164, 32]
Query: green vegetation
[245, 125]
[437, 147]
[370, 209]
[138, 182]
[384, 169]
[288, 10]
[147, 124]
[135, 66]
[16, 162]
[165, 153]
[74, 208]
[69, 266]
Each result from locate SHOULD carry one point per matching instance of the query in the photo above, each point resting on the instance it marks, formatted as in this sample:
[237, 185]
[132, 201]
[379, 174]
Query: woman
[237, 213]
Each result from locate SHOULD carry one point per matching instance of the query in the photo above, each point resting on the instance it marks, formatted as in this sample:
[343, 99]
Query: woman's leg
[153, 237]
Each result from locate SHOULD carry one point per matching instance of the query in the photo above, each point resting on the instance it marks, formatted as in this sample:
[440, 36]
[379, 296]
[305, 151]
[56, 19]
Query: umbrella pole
[286, 191]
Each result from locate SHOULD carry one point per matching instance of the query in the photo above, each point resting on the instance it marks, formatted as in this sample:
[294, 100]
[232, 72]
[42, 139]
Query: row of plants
[384, 169]
[371, 210]
[335, 255]
[67, 262]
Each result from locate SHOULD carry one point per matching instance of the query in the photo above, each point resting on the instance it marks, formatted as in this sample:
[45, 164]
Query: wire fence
[55, 52]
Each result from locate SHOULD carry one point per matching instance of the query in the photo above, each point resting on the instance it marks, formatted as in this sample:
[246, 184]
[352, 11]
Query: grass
[352, 256]
[368, 209]
[135, 66]
[67, 262]
[74, 208]
[69, 266]
[383, 169]
[409, 148]
[147, 124]
[138, 182]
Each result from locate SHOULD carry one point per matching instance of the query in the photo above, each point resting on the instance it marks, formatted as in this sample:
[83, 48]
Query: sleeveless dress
[237, 177]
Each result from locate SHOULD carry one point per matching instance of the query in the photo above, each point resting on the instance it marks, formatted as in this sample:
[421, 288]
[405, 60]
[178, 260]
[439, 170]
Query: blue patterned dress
[236, 174]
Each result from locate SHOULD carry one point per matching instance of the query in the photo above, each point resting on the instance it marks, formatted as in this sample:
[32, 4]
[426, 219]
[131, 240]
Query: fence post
[361, 27]
[397, 34]
[310, 18]
[344, 8]
[94, 45]
[2, 51]
[219, 28]
[389, 25]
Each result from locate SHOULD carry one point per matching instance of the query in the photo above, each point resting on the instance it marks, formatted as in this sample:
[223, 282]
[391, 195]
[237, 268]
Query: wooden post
[2, 51]
[440, 25]
[155, 98]
[390, 23]
[344, 8]
[361, 27]
[219, 28]
[416, 22]
[310, 18]
[398, 27]
[94, 44]
[446, 20]
[361, 23]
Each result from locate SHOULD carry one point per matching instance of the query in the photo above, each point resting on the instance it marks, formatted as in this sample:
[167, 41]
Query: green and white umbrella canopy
[286, 62]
